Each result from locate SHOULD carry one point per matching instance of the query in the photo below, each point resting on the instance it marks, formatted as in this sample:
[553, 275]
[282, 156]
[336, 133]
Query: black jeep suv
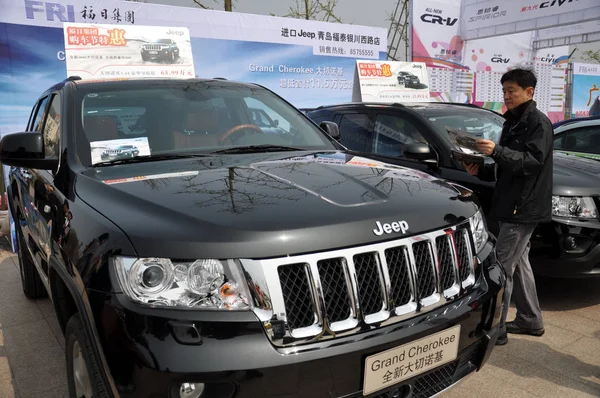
[415, 135]
[234, 263]
[407, 79]
[160, 50]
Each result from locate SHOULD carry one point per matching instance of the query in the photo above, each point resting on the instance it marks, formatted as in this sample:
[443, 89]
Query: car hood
[575, 175]
[265, 205]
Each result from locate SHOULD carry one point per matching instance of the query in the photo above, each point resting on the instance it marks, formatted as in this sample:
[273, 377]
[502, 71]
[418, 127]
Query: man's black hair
[523, 77]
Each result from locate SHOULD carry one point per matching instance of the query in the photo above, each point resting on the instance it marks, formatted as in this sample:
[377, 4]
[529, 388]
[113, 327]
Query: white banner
[369, 41]
[498, 54]
[390, 81]
[99, 51]
[495, 17]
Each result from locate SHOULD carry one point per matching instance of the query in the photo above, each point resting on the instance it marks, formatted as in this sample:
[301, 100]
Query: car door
[26, 177]
[49, 219]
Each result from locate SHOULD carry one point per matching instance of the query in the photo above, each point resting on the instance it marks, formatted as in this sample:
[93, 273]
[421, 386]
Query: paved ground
[565, 362]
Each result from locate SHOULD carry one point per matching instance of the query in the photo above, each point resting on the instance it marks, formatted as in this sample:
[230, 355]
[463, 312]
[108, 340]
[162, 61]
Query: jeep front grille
[330, 294]
[334, 287]
[151, 47]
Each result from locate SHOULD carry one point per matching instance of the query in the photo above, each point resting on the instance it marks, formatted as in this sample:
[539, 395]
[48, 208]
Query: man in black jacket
[522, 198]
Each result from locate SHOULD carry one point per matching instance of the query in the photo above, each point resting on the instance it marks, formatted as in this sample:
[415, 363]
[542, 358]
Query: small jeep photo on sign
[390, 81]
[99, 51]
[120, 149]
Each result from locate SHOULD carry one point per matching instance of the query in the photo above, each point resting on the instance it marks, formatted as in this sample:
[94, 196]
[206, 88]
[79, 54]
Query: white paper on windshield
[127, 148]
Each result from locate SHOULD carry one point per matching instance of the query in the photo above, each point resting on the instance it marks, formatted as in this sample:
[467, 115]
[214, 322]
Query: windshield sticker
[150, 177]
[122, 149]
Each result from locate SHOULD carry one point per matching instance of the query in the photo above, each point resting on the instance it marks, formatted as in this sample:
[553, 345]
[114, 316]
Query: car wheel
[83, 373]
[32, 284]
[173, 56]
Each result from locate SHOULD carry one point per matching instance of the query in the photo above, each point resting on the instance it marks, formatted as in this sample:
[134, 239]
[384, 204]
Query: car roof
[421, 107]
[576, 122]
[124, 83]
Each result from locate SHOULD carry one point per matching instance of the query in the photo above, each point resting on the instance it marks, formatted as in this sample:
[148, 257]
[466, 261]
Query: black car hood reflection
[575, 175]
[264, 205]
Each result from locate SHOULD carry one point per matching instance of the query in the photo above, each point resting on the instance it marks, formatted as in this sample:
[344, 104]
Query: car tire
[81, 364]
[32, 284]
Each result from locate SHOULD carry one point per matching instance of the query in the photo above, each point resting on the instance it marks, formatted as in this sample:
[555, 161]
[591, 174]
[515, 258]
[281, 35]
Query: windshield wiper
[258, 148]
[149, 158]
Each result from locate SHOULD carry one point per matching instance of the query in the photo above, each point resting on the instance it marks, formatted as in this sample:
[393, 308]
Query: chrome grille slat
[346, 291]
[398, 267]
[370, 289]
[425, 265]
[464, 261]
[335, 289]
[295, 286]
[446, 261]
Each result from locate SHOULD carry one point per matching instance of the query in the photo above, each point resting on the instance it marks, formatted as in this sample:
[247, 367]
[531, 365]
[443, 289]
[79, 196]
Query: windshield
[478, 123]
[192, 118]
[165, 41]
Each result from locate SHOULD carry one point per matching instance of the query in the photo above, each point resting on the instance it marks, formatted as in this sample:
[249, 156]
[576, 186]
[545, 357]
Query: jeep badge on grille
[400, 226]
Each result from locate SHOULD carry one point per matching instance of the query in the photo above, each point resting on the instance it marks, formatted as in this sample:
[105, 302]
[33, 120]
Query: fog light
[191, 390]
[570, 243]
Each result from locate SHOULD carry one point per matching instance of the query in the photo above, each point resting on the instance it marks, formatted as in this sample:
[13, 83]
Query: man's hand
[486, 146]
[472, 168]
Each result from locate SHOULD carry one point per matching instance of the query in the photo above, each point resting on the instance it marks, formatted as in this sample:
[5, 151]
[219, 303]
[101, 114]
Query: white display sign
[100, 51]
[390, 81]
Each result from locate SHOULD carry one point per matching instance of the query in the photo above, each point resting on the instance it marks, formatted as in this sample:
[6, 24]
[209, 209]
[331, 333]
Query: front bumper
[151, 352]
[566, 249]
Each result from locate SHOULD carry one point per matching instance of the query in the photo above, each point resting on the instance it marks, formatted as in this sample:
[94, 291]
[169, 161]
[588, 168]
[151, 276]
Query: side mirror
[421, 152]
[276, 121]
[25, 150]
[332, 129]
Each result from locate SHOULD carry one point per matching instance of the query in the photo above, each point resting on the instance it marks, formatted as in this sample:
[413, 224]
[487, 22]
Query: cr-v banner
[470, 71]
[306, 62]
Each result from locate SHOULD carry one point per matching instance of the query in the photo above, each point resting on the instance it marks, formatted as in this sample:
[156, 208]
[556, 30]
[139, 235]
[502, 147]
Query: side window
[393, 133]
[354, 131]
[558, 142]
[52, 127]
[36, 124]
[585, 139]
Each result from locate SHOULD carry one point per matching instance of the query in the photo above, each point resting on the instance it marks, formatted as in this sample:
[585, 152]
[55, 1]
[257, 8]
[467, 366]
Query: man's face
[515, 95]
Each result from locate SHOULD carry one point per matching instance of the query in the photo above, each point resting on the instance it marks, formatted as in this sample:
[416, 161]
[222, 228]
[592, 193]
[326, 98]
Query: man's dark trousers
[513, 253]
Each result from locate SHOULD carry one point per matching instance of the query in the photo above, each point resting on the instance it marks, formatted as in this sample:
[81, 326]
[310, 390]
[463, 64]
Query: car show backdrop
[470, 71]
[586, 90]
[307, 62]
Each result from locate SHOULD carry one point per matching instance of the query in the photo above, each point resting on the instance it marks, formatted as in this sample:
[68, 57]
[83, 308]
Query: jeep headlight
[200, 284]
[479, 231]
[574, 207]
